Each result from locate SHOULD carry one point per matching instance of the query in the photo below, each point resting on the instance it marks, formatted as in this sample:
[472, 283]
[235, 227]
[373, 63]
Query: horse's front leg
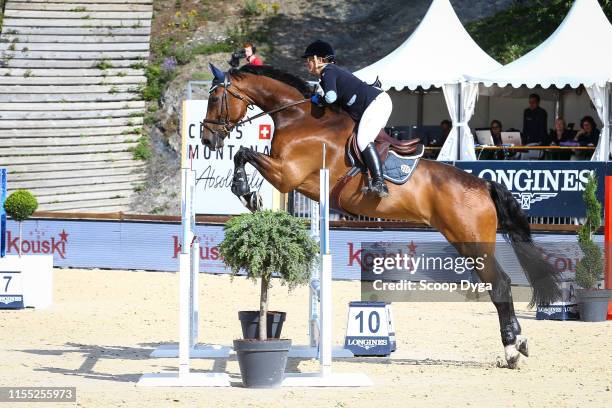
[268, 167]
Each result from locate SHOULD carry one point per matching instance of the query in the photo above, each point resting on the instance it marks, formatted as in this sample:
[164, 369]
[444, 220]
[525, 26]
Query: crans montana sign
[214, 170]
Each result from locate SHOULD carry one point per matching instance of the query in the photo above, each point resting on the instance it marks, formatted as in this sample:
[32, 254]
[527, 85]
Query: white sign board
[214, 170]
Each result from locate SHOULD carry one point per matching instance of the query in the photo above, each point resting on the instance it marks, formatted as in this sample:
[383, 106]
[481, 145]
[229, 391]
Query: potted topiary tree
[266, 244]
[20, 206]
[592, 302]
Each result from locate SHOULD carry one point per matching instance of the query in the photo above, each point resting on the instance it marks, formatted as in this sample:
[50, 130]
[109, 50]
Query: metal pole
[325, 348]
[459, 119]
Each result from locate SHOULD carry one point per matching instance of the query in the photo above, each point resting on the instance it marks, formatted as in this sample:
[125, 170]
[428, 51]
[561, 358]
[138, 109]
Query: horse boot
[371, 159]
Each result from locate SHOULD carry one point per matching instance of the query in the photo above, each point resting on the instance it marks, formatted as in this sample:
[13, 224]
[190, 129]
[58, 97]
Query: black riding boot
[370, 156]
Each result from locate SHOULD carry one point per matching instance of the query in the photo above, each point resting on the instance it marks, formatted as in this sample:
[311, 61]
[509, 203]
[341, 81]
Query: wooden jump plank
[62, 132]
[51, 150]
[66, 158]
[76, 55]
[110, 205]
[89, 97]
[14, 5]
[17, 169]
[75, 106]
[28, 63]
[67, 89]
[55, 115]
[77, 47]
[87, 188]
[83, 15]
[8, 23]
[110, 80]
[109, 31]
[68, 141]
[99, 195]
[76, 181]
[86, 172]
[92, 1]
[77, 39]
[77, 72]
[69, 123]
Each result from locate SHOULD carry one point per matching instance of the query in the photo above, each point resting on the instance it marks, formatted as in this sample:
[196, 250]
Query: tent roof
[577, 53]
[439, 51]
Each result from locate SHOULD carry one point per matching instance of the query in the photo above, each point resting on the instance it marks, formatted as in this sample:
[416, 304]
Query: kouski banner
[155, 246]
[542, 188]
[214, 170]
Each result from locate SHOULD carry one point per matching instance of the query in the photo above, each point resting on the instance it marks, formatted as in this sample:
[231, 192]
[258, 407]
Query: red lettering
[354, 256]
[177, 247]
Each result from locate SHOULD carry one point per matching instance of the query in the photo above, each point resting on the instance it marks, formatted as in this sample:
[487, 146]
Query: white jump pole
[325, 377]
[189, 261]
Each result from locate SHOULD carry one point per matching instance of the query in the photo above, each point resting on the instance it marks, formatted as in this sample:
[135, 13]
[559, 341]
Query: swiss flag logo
[265, 132]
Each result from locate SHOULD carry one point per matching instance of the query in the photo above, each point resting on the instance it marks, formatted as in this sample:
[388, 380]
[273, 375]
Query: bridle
[224, 122]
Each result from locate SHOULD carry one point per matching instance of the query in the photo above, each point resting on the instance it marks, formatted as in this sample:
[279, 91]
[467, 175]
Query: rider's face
[312, 66]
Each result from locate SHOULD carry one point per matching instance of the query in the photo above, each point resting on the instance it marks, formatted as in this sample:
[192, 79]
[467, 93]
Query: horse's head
[227, 105]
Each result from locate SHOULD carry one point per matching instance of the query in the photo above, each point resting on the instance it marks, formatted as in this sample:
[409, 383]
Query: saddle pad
[398, 169]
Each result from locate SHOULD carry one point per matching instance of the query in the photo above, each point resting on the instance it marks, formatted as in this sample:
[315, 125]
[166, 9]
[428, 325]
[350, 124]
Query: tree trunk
[263, 309]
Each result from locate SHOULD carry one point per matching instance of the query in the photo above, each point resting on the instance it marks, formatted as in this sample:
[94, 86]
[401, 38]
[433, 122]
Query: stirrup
[380, 189]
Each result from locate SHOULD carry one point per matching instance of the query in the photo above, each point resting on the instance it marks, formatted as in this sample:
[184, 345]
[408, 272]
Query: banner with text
[214, 170]
[542, 188]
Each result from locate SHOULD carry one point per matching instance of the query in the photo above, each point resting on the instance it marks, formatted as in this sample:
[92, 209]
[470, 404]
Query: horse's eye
[213, 99]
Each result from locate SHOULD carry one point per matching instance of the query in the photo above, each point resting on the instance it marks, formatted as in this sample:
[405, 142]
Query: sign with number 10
[369, 331]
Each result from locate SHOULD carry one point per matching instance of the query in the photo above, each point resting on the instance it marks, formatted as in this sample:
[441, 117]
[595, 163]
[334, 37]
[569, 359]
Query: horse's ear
[217, 73]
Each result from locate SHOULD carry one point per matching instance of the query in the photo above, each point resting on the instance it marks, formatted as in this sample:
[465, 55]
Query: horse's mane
[277, 74]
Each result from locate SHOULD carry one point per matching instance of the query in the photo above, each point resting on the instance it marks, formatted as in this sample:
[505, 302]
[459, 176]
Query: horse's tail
[515, 228]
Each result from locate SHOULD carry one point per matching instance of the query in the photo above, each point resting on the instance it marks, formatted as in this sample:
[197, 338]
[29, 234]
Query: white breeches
[374, 118]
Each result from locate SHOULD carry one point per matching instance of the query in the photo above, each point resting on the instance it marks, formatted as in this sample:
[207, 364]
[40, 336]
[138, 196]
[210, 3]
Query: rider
[370, 107]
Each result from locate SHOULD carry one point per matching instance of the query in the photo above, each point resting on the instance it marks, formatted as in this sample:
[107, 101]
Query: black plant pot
[262, 363]
[593, 304]
[250, 324]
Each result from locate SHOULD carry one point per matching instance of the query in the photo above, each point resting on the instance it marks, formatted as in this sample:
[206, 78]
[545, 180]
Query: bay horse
[463, 207]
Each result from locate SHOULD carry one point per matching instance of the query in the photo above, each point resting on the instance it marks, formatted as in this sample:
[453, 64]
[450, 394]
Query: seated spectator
[559, 135]
[446, 126]
[588, 135]
[496, 129]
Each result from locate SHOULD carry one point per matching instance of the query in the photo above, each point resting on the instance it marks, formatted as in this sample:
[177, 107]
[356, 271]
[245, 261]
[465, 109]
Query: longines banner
[214, 170]
[542, 188]
[128, 245]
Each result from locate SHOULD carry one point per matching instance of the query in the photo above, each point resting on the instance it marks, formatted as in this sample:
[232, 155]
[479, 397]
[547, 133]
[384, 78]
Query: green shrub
[589, 270]
[265, 243]
[142, 151]
[20, 205]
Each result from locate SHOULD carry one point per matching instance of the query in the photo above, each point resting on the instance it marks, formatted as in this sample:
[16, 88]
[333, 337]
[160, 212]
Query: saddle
[385, 143]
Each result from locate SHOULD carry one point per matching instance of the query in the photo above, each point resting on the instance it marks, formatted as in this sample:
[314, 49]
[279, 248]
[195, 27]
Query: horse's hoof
[521, 345]
[512, 356]
[252, 201]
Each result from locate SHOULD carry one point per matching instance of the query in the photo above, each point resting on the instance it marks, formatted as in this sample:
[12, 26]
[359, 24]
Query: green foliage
[142, 151]
[589, 269]
[268, 242]
[251, 8]
[511, 33]
[103, 65]
[157, 79]
[20, 205]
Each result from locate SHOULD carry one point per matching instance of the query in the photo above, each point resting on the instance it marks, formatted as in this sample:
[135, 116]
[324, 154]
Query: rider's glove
[316, 99]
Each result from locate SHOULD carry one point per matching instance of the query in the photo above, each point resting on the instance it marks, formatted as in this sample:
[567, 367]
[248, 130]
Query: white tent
[577, 53]
[438, 53]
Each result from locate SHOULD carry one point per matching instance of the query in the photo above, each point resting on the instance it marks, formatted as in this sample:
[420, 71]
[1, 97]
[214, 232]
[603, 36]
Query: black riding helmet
[320, 49]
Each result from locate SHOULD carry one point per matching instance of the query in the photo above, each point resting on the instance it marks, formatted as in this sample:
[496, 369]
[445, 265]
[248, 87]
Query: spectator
[588, 135]
[535, 122]
[250, 56]
[560, 134]
[446, 126]
[496, 129]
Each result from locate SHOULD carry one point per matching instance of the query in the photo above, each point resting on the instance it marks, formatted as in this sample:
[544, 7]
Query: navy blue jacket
[351, 93]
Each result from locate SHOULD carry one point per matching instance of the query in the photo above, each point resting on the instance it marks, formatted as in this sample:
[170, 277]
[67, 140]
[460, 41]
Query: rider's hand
[316, 99]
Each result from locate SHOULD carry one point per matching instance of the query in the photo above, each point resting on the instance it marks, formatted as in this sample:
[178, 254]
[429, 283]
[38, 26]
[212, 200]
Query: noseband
[224, 122]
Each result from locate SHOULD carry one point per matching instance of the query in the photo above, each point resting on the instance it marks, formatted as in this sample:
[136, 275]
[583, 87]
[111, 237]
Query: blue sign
[542, 188]
[368, 330]
[2, 213]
